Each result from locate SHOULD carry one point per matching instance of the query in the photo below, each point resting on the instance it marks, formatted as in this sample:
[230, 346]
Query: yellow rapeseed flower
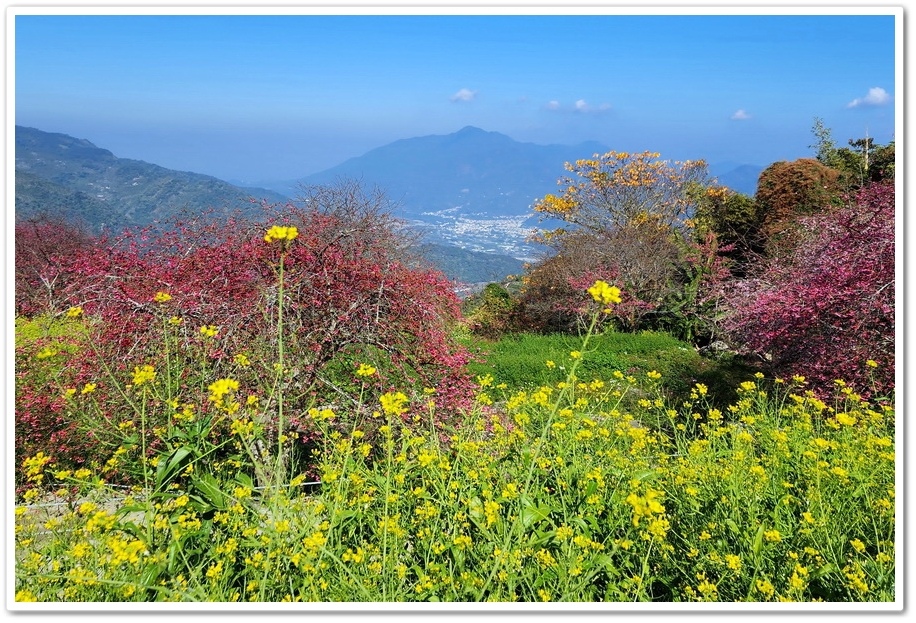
[45, 352]
[75, 312]
[462, 540]
[144, 374]
[162, 297]
[845, 419]
[772, 536]
[320, 414]
[35, 464]
[604, 293]
[281, 233]
[365, 370]
[220, 388]
[393, 403]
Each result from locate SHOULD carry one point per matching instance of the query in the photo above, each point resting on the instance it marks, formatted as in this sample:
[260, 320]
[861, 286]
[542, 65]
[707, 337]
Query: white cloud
[740, 115]
[581, 106]
[876, 97]
[463, 95]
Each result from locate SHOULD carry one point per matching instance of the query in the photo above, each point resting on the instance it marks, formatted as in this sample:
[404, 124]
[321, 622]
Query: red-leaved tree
[827, 309]
[43, 245]
[351, 295]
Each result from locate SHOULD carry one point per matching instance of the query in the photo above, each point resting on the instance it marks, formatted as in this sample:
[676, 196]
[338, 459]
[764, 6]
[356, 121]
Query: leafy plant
[827, 310]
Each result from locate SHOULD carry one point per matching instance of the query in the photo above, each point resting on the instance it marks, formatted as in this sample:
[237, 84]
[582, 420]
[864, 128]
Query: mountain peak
[470, 129]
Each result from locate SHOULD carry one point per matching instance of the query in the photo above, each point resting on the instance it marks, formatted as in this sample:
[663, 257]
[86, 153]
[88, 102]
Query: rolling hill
[70, 177]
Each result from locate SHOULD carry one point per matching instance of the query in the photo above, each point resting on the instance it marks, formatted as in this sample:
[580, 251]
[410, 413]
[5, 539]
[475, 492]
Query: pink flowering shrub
[826, 311]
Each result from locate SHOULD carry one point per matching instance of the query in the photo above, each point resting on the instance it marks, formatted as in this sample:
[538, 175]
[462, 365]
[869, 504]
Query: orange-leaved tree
[608, 191]
[633, 212]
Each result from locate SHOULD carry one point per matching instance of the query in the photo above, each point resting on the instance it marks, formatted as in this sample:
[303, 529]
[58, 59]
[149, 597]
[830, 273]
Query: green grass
[520, 361]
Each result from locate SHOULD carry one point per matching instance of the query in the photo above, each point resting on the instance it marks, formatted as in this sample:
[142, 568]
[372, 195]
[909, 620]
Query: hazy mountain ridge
[473, 170]
[741, 178]
[475, 188]
[111, 191]
[436, 172]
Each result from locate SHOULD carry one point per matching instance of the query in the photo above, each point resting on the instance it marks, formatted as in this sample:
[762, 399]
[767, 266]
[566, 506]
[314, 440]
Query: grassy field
[526, 360]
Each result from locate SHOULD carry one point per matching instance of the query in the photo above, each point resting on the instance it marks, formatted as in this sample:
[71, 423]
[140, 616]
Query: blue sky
[262, 97]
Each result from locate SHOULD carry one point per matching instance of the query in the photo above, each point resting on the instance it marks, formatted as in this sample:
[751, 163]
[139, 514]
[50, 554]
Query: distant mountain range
[474, 188]
[741, 178]
[471, 190]
[73, 177]
[59, 175]
[477, 171]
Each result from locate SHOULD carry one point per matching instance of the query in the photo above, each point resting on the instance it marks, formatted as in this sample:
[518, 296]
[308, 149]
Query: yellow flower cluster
[220, 394]
[645, 506]
[393, 403]
[365, 370]
[281, 233]
[34, 465]
[604, 293]
[144, 374]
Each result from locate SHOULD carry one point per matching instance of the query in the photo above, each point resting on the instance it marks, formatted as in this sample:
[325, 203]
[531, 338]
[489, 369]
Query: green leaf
[825, 570]
[532, 513]
[210, 491]
[245, 481]
[167, 469]
[151, 573]
[758, 541]
[475, 508]
[646, 474]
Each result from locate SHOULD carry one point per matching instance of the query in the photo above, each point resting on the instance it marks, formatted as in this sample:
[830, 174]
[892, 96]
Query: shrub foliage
[827, 310]
[350, 296]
